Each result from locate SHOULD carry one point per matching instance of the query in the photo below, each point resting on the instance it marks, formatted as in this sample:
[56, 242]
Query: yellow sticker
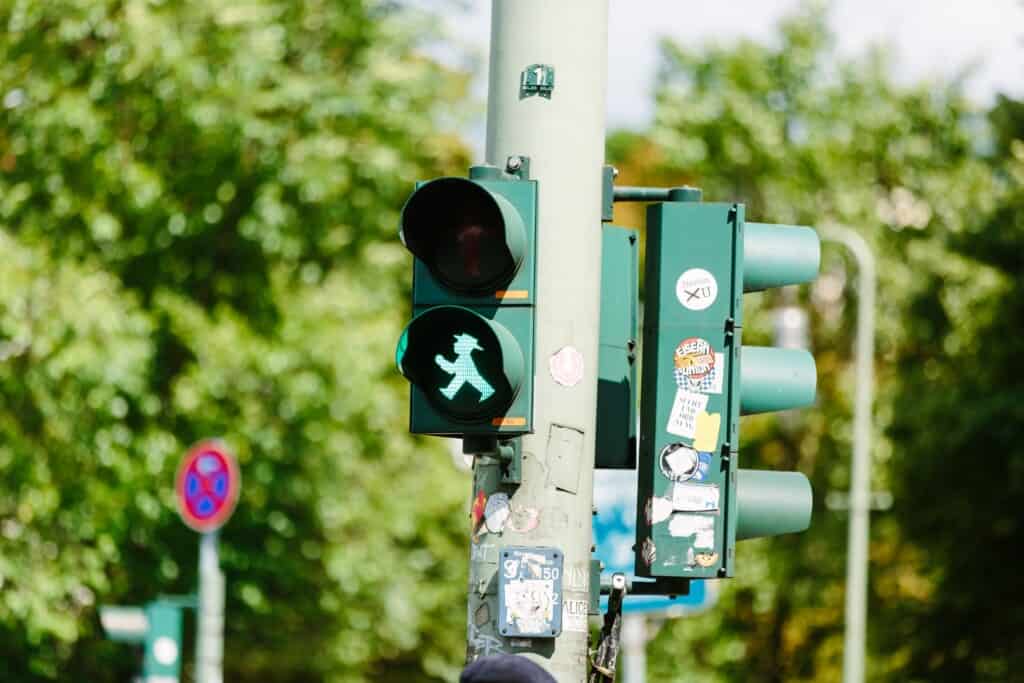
[705, 436]
[512, 294]
[706, 559]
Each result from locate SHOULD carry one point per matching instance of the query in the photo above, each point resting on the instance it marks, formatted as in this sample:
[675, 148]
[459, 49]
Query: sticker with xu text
[696, 289]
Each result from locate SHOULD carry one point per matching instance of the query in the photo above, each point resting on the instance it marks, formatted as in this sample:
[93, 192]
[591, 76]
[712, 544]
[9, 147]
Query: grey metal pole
[634, 648]
[210, 620]
[563, 136]
[860, 469]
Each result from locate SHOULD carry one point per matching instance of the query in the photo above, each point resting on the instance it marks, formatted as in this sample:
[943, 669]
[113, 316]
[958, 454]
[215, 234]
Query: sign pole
[210, 622]
[634, 647]
[206, 491]
[546, 103]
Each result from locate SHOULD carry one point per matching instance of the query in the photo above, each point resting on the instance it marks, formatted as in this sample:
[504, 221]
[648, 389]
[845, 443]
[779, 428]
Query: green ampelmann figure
[463, 369]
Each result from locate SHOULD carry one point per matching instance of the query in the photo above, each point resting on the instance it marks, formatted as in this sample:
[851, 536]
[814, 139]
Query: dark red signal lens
[457, 229]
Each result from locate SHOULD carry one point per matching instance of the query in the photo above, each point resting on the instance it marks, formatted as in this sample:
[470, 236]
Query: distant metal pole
[210, 622]
[634, 648]
[860, 469]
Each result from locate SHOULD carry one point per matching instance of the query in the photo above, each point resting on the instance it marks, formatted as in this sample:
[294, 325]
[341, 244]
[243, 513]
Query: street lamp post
[791, 331]
[860, 468]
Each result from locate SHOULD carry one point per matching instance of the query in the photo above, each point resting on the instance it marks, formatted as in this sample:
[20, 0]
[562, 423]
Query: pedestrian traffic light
[158, 627]
[468, 352]
[697, 379]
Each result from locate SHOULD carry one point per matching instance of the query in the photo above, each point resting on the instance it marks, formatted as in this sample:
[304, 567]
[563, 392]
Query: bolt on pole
[546, 102]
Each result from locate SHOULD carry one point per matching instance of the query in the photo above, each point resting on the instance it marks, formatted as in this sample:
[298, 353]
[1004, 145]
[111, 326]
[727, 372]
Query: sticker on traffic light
[679, 462]
[468, 367]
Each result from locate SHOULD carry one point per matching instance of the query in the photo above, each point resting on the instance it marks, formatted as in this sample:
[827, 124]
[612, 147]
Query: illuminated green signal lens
[467, 366]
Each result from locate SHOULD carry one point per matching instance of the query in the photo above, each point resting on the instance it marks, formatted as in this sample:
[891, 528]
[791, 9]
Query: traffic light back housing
[615, 438]
[693, 500]
[688, 410]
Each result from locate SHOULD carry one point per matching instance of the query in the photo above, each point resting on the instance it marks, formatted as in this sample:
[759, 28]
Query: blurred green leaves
[199, 206]
[803, 136]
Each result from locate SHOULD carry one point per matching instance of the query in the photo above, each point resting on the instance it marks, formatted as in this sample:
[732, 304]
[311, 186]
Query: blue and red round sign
[207, 486]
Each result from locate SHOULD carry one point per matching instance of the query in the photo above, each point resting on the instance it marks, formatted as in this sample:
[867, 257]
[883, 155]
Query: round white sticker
[566, 366]
[165, 650]
[496, 512]
[696, 289]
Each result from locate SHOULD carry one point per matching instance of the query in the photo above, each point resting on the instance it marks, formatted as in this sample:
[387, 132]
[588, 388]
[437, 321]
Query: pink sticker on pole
[566, 366]
[207, 486]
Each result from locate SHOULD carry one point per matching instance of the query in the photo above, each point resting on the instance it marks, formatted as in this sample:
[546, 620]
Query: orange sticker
[694, 359]
[508, 422]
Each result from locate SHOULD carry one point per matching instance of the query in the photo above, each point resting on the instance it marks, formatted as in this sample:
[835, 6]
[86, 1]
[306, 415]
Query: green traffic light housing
[157, 626]
[698, 379]
[468, 352]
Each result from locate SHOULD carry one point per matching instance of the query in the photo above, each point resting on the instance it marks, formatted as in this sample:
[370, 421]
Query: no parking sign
[207, 486]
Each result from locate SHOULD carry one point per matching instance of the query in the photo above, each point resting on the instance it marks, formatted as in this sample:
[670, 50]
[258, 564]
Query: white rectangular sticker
[701, 527]
[683, 419]
[574, 615]
[529, 604]
[687, 497]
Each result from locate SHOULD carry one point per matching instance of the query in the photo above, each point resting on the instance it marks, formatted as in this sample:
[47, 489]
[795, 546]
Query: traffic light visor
[776, 379]
[779, 255]
[771, 503]
[470, 239]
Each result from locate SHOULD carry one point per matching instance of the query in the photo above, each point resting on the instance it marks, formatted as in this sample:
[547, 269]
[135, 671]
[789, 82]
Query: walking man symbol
[463, 369]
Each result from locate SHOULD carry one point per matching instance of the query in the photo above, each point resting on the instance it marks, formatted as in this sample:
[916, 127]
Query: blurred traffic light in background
[157, 627]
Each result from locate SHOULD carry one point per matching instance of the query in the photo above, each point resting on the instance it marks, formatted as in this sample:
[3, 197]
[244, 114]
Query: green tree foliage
[961, 475]
[805, 137]
[199, 205]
